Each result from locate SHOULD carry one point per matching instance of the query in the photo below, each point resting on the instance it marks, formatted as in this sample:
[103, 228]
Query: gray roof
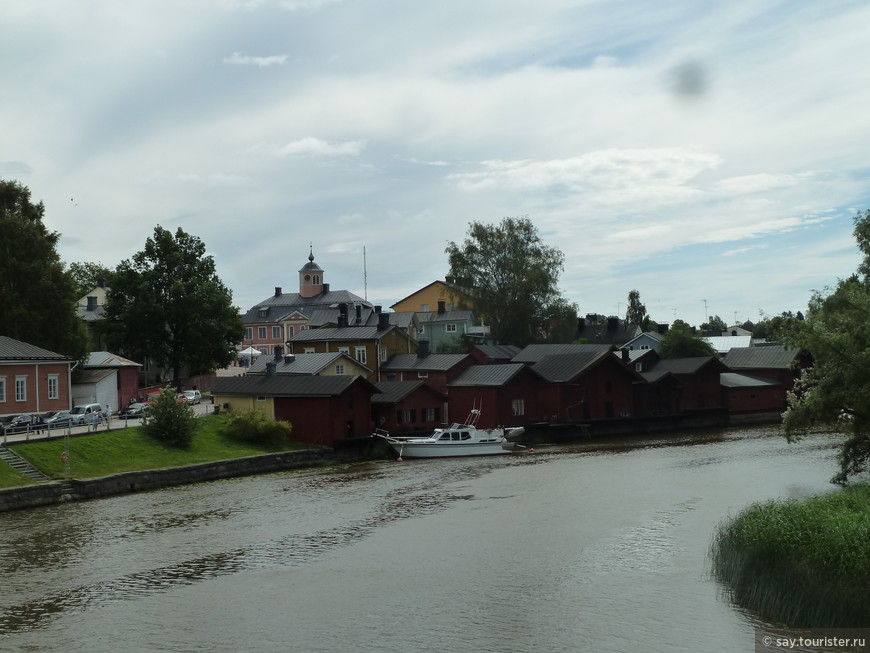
[432, 362]
[94, 375]
[498, 352]
[430, 317]
[723, 344]
[680, 365]
[346, 334]
[11, 349]
[300, 363]
[535, 353]
[735, 380]
[605, 332]
[95, 315]
[280, 306]
[392, 392]
[108, 359]
[283, 385]
[773, 357]
[488, 375]
[558, 368]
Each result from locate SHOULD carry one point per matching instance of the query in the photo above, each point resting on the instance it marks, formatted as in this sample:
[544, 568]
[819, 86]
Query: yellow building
[427, 299]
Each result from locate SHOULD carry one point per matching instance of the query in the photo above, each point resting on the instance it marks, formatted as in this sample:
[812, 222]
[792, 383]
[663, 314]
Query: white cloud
[238, 59]
[313, 146]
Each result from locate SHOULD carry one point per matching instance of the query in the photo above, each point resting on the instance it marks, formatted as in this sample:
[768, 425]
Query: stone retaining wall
[80, 490]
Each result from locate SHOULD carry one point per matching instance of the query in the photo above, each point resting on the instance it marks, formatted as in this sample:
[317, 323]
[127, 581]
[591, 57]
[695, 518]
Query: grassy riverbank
[10, 477]
[805, 564]
[129, 449]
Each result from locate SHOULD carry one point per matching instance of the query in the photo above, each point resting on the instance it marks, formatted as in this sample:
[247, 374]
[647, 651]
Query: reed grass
[804, 564]
[130, 449]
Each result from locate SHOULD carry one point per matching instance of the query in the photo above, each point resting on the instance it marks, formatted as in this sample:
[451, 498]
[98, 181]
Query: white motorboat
[457, 440]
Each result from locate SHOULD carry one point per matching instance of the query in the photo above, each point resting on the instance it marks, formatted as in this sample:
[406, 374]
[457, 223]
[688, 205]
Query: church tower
[310, 278]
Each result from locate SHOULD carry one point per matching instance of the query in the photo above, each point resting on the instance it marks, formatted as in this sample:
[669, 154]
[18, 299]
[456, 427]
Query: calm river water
[598, 547]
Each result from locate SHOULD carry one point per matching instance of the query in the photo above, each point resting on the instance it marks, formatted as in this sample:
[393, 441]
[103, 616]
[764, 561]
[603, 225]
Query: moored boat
[457, 440]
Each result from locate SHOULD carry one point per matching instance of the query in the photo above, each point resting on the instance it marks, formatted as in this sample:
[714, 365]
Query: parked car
[193, 396]
[134, 411]
[58, 419]
[16, 423]
[81, 414]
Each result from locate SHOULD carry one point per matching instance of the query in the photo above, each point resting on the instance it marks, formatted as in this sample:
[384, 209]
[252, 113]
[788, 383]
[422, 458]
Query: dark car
[134, 411]
[17, 424]
[58, 419]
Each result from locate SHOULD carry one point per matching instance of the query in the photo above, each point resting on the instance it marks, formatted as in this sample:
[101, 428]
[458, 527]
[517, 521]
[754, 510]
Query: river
[596, 547]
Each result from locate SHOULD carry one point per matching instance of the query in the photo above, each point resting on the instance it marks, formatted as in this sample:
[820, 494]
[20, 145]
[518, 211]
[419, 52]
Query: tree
[680, 342]
[776, 328]
[560, 324]
[714, 326]
[835, 390]
[636, 313]
[88, 276]
[37, 295]
[511, 276]
[170, 420]
[168, 305]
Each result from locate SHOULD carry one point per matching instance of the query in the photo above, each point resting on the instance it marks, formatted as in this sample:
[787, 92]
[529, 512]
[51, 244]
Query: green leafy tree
[171, 421]
[835, 390]
[636, 313]
[88, 276]
[714, 326]
[38, 297]
[680, 342]
[560, 324]
[777, 327]
[168, 305]
[511, 276]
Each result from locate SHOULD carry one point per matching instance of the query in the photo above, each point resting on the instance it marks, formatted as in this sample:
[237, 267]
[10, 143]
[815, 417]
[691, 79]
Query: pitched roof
[280, 306]
[612, 332]
[735, 380]
[534, 353]
[108, 359]
[344, 334]
[451, 287]
[722, 344]
[11, 349]
[392, 392]
[301, 363]
[680, 365]
[284, 385]
[432, 362]
[434, 317]
[773, 357]
[488, 375]
[559, 368]
[498, 352]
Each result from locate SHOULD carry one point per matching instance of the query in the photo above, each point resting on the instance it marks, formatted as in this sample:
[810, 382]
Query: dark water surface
[598, 547]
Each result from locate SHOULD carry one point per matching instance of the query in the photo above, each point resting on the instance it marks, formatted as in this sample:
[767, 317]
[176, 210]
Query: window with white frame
[21, 388]
[361, 355]
[422, 374]
[339, 370]
[249, 333]
[276, 332]
[344, 350]
[308, 350]
[518, 407]
[53, 386]
[384, 354]
[451, 328]
[261, 333]
[2, 389]
[430, 414]
[291, 331]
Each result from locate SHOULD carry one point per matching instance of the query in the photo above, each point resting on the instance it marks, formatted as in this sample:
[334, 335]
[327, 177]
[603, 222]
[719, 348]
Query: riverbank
[805, 564]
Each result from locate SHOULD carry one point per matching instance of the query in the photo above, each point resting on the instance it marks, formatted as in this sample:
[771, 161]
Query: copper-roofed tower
[310, 277]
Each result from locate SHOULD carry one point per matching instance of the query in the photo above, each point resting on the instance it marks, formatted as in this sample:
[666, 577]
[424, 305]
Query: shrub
[254, 426]
[170, 420]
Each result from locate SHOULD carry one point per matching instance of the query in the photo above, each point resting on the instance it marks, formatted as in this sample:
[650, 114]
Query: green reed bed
[803, 564]
[129, 449]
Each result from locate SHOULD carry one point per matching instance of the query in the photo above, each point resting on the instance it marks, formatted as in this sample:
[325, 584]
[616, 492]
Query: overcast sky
[692, 150]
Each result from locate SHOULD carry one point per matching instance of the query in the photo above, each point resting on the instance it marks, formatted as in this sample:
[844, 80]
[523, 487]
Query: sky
[711, 155]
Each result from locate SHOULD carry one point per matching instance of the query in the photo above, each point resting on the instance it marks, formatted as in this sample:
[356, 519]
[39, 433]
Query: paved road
[13, 438]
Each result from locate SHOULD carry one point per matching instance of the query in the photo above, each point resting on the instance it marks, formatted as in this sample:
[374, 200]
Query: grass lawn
[129, 449]
[10, 477]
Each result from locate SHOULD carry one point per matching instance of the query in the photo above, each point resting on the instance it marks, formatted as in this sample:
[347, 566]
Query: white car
[193, 396]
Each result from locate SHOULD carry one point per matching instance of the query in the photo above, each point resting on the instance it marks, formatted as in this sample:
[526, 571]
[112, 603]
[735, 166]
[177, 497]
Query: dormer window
[263, 312]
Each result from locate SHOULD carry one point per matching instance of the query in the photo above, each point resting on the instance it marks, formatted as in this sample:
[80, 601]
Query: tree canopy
[88, 276]
[680, 342]
[636, 312]
[512, 277]
[168, 305]
[37, 295]
[835, 390]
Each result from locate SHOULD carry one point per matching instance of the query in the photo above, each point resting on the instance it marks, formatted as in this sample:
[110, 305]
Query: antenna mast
[365, 276]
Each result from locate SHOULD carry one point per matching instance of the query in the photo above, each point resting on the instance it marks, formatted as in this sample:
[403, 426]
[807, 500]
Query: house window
[249, 333]
[291, 330]
[384, 354]
[261, 333]
[450, 306]
[406, 416]
[261, 399]
[451, 328]
[638, 367]
[344, 350]
[20, 388]
[276, 332]
[423, 374]
[430, 414]
[644, 346]
[53, 386]
[309, 350]
[360, 355]
[3, 389]
[263, 312]
[518, 407]
[339, 370]
[315, 278]
[424, 308]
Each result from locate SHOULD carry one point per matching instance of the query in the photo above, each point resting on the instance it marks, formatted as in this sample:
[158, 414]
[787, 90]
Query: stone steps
[17, 462]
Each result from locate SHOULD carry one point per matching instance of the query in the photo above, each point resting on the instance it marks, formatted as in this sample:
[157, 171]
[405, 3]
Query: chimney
[92, 303]
[270, 369]
[277, 291]
[278, 352]
[383, 321]
[612, 323]
[289, 358]
[625, 355]
[101, 283]
[342, 320]
[423, 349]
[325, 287]
[442, 306]
[592, 318]
[663, 329]
[451, 280]
[378, 310]
[581, 323]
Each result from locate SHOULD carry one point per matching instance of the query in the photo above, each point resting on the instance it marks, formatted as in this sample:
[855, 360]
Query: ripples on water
[571, 526]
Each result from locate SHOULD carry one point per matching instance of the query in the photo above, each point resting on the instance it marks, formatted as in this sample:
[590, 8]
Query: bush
[171, 421]
[253, 426]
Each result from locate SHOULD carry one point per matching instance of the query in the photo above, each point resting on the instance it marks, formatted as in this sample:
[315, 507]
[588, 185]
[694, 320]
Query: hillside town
[337, 367]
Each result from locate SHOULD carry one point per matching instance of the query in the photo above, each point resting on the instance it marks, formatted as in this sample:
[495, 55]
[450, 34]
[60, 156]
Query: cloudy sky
[711, 155]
